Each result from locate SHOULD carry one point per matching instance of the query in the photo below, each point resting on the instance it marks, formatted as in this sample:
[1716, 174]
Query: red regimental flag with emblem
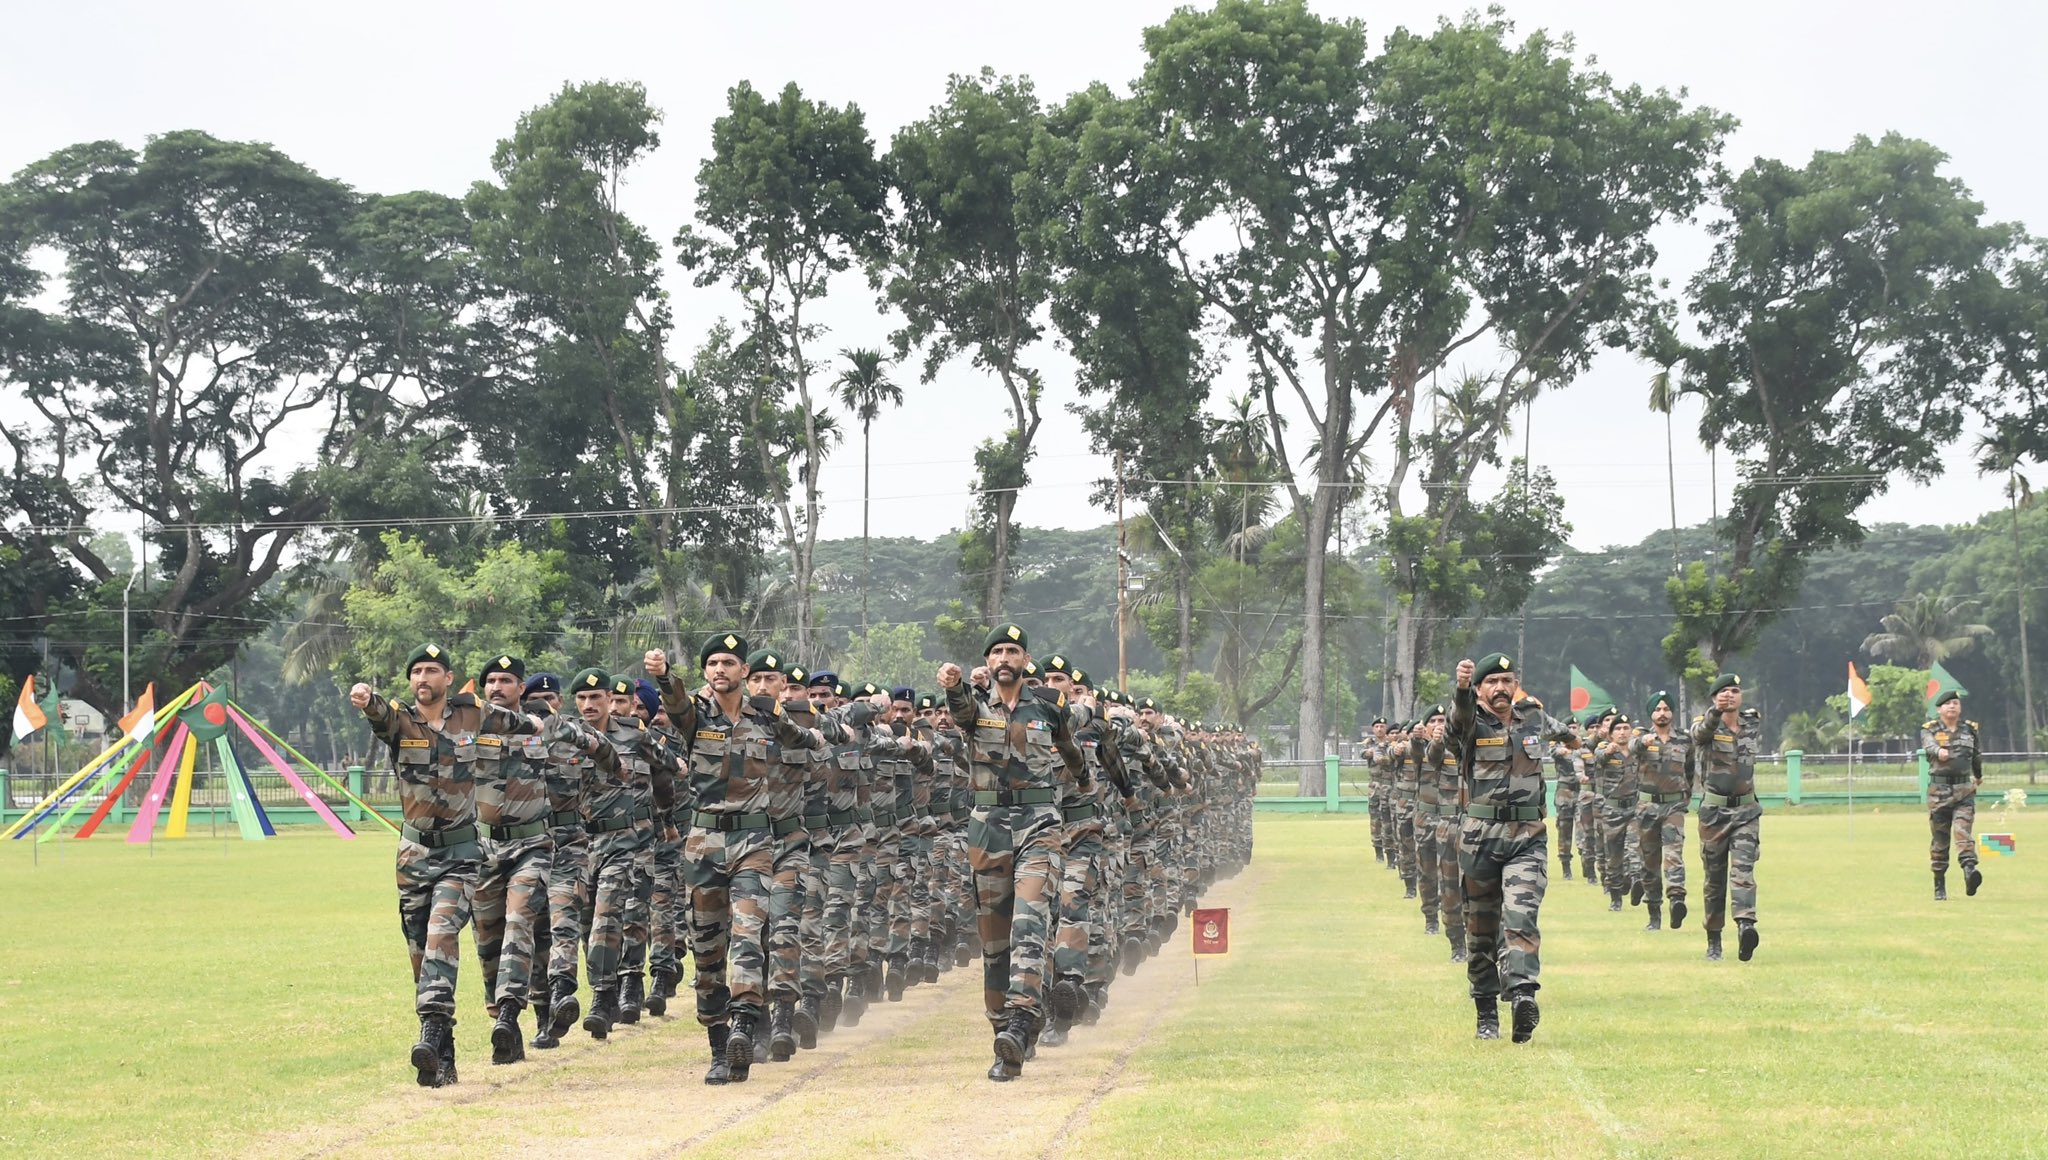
[1212, 931]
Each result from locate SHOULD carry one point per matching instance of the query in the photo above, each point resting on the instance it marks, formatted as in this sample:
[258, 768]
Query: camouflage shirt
[511, 778]
[1503, 761]
[1725, 755]
[436, 759]
[1030, 747]
[736, 764]
[1614, 772]
[1965, 759]
[1663, 764]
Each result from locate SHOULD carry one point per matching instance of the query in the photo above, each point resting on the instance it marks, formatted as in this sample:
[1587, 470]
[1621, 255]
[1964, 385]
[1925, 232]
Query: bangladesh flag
[1587, 695]
[1939, 681]
[207, 717]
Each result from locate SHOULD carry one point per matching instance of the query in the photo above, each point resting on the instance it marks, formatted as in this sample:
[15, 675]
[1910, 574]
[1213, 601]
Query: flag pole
[1852, 779]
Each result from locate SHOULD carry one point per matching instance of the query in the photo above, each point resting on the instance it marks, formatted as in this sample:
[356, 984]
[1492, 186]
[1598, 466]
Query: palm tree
[1928, 629]
[864, 388]
[1663, 394]
[2001, 451]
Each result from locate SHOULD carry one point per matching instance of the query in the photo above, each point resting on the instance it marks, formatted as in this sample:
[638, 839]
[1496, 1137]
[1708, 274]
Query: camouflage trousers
[1450, 883]
[1660, 836]
[1505, 868]
[434, 893]
[810, 927]
[668, 910]
[568, 902]
[1080, 909]
[1139, 905]
[956, 878]
[511, 902]
[730, 875]
[1376, 796]
[840, 912]
[862, 947]
[1619, 850]
[1018, 867]
[792, 864]
[916, 855]
[889, 918]
[616, 861]
[1588, 828]
[639, 917]
[1423, 840]
[1730, 840]
[1401, 811]
[1952, 820]
[1567, 813]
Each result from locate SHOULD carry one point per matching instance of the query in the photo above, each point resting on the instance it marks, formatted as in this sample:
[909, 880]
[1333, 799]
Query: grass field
[223, 997]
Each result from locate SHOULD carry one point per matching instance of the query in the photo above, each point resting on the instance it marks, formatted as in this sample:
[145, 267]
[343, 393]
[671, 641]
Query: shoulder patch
[414, 743]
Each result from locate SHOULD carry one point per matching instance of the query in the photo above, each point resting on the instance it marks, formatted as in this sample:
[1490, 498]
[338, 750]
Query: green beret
[589, 679]
[839, 689]
[503, 663]
[763, 660]
[622, 687]
[1725, 681]
[1620, 719]
[1149, 703]
[1436, 711]
[927, 702]
[866, 689]
[1005, 634]
[1059, 664]
[1492, 663]
[1945, 698]
[1660, 697]
[797, 675]
[431, 653]
[730, 644]
[1030, 668]
[1081, 678]
[1112, 697]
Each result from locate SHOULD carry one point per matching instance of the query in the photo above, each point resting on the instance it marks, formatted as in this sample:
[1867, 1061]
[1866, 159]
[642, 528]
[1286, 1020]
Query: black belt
[567, 818]
[1662, 799]
[611, 825]
[439, 839]
[1728, 801]
[729, 822]
[783, 827]
[514, 833]
[886, 818]
[1505, 813]
[1017, 797]
[1082, 812]
[817, 821]
[842, 817]
[1952, 778]
[1619, 799]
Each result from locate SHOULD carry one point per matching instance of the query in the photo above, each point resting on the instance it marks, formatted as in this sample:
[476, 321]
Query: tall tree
[968, 279]
[864, 389]
[240, 341]
[1927, 629]
[2000, 452]
[1846, 316]
[790, 195]
[578, 428]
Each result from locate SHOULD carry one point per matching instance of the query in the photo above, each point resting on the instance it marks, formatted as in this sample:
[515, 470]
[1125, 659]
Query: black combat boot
[828, 1005]
[604, 1011]
[1458, 954]
[899, 977]
[720, 1072]
[856, 996]
[1614, 902]
[630, 997]
[1098, 999]
[563, 1009]
[1635, 892]
[664, 989]
[1014, 1041]
[1429, 927]
[1064, 999]
[1713, 946]
[1941, 886]
[426, 1054]
[543, 1024]
[507, 1043]
[1677, 913]
[1409, 885]
[1523, 1003]
[806, 1022]
[781, 1030]
[963, 949]
[1746, 939]
[1002, 1071]
[1379, 853]
[1586, 871]
[915, 963]
[739, 1046]
[1656, 916]
[1134, 953]
[933, 961]
[448, 1057]
[1565, 858]
[1489, 1017]
[1972, 879]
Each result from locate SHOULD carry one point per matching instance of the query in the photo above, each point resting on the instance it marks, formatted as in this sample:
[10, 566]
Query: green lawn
[197, 1000]
[1872, 1022]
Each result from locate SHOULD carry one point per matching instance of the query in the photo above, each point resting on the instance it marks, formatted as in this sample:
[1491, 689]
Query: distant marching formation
[1458, 805]
[815, 846]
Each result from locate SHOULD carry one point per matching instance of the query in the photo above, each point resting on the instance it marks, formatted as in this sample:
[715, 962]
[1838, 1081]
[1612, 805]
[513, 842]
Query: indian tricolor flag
[141, 720]
[1859, 693]
[28, 716]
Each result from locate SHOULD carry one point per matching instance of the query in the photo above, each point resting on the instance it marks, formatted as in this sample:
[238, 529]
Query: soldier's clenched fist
[359, 696]
[1465, 669]
[949, 675]
[655, 663]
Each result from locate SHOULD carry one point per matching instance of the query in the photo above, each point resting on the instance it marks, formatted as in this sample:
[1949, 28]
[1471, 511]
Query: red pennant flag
[1212, 931]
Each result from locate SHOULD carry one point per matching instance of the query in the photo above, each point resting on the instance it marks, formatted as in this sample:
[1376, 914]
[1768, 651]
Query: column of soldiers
[816, 847]
[1459, 806]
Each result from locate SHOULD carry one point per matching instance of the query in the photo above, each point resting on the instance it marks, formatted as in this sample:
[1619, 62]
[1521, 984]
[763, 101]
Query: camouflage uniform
[623, 804]
[1614, 777]
[1503, 845]
[1401, 808]
[1014, 843]
[1664, 786]
[1952, 798]
[1566, 764]
[569, 770]
[1427, 811]
[518, 853]
[1441, 766]
[1731, 821]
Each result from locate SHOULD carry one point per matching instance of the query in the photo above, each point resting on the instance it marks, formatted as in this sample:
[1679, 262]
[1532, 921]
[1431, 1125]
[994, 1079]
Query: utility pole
[125, 700]
[1122, 579]
[2019, 566]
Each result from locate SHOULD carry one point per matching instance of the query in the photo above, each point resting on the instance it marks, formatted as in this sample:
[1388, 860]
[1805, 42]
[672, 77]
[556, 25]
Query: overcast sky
[391, 97]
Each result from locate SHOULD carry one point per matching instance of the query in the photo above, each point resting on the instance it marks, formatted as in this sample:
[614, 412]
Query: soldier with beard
[1731, 818]
[512, 885]
[1022, 752]
[1664, 786]
[1084, 855]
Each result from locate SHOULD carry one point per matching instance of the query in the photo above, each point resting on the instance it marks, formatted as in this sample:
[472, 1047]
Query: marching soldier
[1955, 770]
[1664, 786]
[512, 885]
[1614, 778]
[1731, 819]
